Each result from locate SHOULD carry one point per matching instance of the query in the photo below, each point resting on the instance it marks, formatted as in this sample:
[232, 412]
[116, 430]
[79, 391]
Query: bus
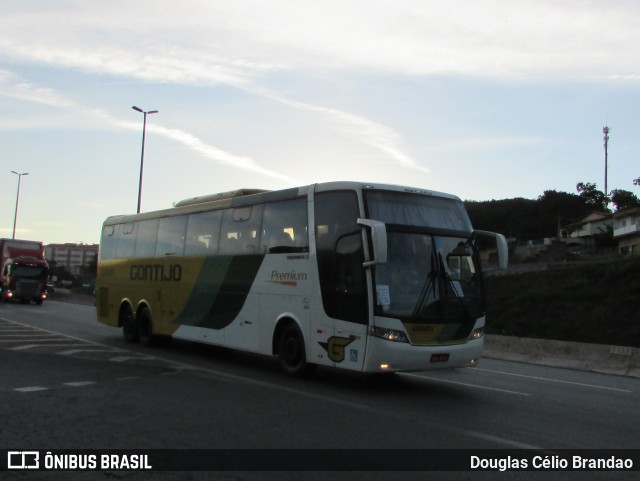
[365, 277]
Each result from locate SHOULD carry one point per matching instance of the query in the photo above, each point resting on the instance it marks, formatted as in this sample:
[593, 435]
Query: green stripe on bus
[220, 291]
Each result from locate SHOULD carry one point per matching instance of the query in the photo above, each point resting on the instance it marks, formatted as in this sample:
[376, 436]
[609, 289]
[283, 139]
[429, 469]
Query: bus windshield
[432, 272]
[428, 278]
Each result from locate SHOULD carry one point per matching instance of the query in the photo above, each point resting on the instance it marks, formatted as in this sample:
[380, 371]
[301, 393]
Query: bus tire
[292, 354]
[145, 328]
[129, 325]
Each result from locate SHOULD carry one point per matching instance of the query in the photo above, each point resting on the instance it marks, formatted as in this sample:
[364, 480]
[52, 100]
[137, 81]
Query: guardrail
[620, 360]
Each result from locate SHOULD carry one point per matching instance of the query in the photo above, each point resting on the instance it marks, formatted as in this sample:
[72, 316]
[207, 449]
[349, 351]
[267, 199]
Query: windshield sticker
[384, 296]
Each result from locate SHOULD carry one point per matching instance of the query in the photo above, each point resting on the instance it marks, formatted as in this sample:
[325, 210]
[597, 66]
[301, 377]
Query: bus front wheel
[292, 354]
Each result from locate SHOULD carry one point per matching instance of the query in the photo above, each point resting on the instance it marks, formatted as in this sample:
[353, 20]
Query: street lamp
[15, 216]
[144, 130]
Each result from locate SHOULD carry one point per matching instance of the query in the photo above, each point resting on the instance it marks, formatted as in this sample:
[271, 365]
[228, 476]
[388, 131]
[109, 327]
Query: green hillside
[585, 302]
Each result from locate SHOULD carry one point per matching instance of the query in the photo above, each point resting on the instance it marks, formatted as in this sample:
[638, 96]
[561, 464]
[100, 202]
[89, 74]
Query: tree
[594, 198]
[624, 199]
[529, 219]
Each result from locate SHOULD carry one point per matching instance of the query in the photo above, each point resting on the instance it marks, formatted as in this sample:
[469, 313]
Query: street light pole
[15, 216]
[144, 130]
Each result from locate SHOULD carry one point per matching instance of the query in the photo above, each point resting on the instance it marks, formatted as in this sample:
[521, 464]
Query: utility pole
[144, 131]
[605, 131]
[15, 216]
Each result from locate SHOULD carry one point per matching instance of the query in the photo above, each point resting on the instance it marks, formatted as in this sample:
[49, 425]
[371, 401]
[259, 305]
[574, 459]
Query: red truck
[24, 271]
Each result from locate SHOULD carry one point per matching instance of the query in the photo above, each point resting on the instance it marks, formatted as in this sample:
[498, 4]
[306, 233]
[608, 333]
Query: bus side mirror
[501, 242]
[378, 240]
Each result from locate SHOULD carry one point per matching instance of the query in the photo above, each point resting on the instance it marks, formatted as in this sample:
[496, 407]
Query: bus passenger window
[171, 232]
[126, 240]
[146, 238]
[284, 227]
[108, 243]
[239, 231]
[203, 232]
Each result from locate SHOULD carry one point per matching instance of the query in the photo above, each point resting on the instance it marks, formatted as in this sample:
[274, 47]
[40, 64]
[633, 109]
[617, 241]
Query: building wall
[74, 257]
[626, 230]
[629, 246]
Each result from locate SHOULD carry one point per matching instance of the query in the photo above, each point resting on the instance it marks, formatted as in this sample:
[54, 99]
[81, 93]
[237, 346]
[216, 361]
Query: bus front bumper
[389, 356]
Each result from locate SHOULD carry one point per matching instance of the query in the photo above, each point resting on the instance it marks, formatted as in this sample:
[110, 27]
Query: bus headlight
[477, 333]
[388, 334]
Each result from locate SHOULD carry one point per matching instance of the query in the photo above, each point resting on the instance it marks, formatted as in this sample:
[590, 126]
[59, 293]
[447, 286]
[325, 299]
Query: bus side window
[108, 242]
[146, 238]
[171, 232]
[126, 234]
[239, 233]
[203, 233]
[284, 227]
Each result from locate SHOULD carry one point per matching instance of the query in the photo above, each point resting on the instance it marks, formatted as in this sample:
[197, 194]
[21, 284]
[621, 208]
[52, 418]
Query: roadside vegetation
[593, 302]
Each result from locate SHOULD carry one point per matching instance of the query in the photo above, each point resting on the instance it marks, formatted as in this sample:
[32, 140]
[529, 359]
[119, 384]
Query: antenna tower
[605, 131]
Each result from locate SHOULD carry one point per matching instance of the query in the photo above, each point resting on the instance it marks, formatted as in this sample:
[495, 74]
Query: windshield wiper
[428, 286]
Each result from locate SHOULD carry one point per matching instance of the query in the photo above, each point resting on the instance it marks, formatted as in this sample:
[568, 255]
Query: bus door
[340, 257]
[351, 313]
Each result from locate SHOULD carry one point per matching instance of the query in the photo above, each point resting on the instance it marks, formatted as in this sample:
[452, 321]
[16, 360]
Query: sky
[484, 99]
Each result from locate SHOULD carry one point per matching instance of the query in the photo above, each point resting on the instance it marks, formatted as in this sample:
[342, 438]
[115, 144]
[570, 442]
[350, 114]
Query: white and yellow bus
[365, 277]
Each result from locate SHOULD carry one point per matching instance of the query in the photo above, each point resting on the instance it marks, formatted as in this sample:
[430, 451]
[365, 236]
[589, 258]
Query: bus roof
[220, 196]
[243, 197]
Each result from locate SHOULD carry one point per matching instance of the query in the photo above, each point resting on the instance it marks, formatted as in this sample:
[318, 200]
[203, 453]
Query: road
[68, 382]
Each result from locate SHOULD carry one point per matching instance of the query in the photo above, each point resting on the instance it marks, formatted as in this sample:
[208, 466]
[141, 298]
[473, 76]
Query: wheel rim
[292, 354]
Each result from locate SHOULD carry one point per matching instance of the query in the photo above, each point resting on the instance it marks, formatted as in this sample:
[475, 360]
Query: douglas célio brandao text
[551, 462]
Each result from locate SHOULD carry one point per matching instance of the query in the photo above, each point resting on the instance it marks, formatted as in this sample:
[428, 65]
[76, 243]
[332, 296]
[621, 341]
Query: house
[596, 223]
[626, 231]
[585, 236]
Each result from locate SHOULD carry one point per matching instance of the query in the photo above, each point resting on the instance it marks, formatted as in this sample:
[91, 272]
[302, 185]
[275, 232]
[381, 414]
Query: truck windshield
[24, 272]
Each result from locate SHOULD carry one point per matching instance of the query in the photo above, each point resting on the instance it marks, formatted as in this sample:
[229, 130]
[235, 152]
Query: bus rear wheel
[145, 328]
[292, 354]
[129, 325]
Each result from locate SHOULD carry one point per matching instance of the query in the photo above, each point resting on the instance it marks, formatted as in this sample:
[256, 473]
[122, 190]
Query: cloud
[248, 44]
[219, 155]
[12, 86]
[249, 38]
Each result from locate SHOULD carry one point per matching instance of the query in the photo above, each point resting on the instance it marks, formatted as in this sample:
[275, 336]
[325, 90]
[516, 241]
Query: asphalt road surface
[69, 382]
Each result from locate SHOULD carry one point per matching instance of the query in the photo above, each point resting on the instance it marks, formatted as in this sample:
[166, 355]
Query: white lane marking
[79, 383]
[4, 329]
[476, 386]
[139, 357]
[32, 346]
[31, 389]
[48, 339]
[496, 439]
[547, 379]
[30, 334]
[71, 352]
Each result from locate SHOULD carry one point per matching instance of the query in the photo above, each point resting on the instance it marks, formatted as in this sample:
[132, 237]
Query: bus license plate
[439, 357]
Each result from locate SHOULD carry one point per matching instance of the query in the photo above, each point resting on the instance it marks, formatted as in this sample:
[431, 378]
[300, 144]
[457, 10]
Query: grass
[586, 302]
